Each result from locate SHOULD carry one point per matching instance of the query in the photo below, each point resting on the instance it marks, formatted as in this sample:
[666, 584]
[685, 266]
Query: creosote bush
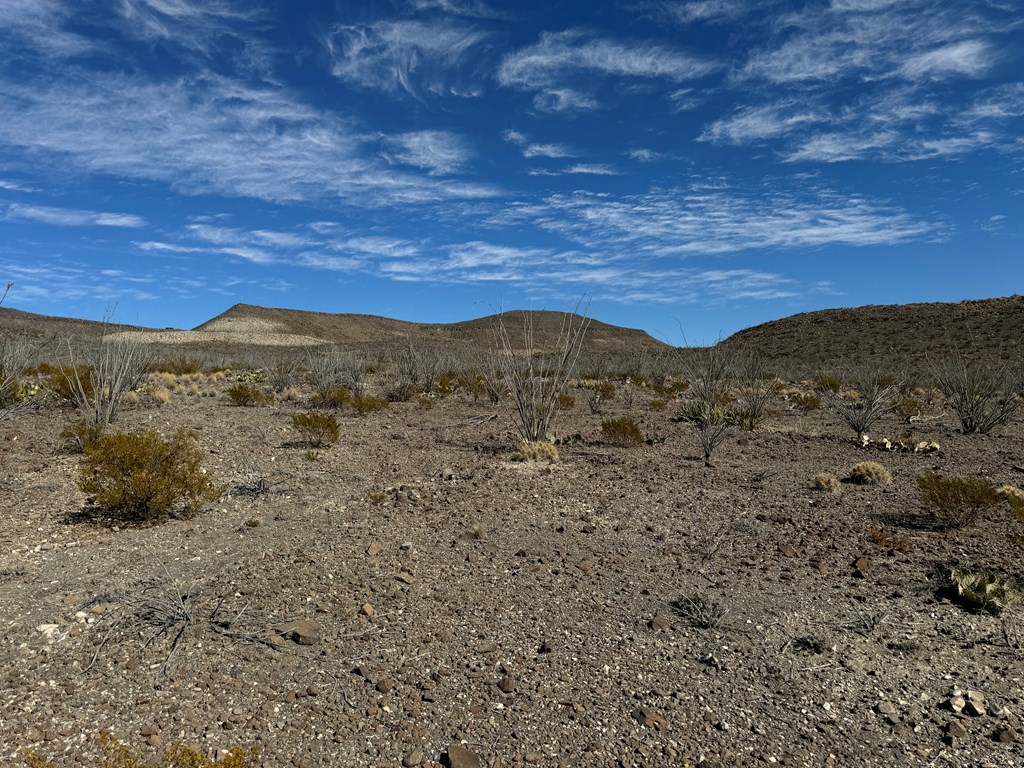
[368, 404]
[317, 427]
[82, 435]
[869, 473]
[956, 502]
[141, 477]
[248, 395]
[622, 431]
[333, 397]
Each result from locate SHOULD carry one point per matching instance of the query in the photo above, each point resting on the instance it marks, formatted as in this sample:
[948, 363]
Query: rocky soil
[411, 596]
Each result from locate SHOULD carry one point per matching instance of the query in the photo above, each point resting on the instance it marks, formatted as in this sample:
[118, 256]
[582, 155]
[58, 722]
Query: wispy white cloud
[593, 169]
[559, 66]
[193, 24]
[39, 25]
[643, 155]
[408, 55]
[755, 123]
[69, 217]
[439, 152]
[696, 221]
[210, 135]
[468, 8]
[708, 11]
[531, 149]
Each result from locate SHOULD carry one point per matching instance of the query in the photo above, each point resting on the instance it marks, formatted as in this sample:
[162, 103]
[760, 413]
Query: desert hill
[889, 337]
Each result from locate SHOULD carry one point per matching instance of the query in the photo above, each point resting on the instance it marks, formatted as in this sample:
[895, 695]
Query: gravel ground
[412, 588]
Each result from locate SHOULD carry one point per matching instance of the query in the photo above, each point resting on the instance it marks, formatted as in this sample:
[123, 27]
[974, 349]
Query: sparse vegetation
[871, 397]
[142, 477]
[114, 368]
[538, 450]
[248, 395]
[622, 432]
[985, 591]
[956, 502]
[536, 380]
[113, 754]
[983, 394]
[828, 483]
[869, 473]
[368, 404]
[317, 428]
[708, 371]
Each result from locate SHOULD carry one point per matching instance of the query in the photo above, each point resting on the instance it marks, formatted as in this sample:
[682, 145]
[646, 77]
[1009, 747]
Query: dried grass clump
[1015, 498]
[248, 395]
[368, 404]
[317, 428]
[956, 502]
[114, 754]
[828, 483]
[869, 473]
[537, 450]
[622, 432]
[141, 477]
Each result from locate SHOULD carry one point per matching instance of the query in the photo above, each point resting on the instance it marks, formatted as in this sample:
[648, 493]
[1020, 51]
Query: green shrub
[622, 431]
[317, 427]
[869, 473]
[61, 380]
[140, 476]
[956, 502]
[248, 395]
[366, 404]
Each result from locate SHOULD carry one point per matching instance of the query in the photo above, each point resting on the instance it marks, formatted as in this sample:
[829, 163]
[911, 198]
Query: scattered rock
[1006, 735]
[533, 757]
[405, 577]
[367, 610]
[459, 757]
[956, 730]
[650, 718]
[788, 550]
[886, 708]
[546, 647]
[413, 759]
[302, 631]
[659, 623]
[507, 684]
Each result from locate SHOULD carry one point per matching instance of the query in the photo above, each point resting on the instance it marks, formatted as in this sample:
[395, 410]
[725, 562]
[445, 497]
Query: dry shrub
[317, 427]
[333, 397]
[622, 431]
[956, 502]
[425, 402]
[536, 450]
[869, 473]
[1015, 498]
[367, 404]
[657, 404]
[82, 435]
[983, 394]
[598, 392]
[159, 395]
[140, 476]
[566, 402]
[248, 395]
[827, 482]
[177, 366]
[114, 754]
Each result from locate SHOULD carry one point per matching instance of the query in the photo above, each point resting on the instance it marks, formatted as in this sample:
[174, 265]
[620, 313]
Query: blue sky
[709, 164]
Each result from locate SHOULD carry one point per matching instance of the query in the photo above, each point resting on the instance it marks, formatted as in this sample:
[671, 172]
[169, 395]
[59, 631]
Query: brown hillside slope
[371, 330]
[889, 337]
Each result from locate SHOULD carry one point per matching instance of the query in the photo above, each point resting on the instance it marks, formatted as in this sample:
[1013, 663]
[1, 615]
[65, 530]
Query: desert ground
[415, 595]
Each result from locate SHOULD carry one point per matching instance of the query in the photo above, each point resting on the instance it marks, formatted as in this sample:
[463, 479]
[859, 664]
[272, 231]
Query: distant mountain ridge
[897, 337]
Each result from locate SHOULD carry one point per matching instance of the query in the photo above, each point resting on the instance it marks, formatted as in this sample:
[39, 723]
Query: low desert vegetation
[828, 483]
[622, 431]
[111, 753]
[143, 477]
[113, 368]
[984, 394]
[536, 451]
[869, 397]
[248, 395]
[317, 428]
[956, 502]
[869, 473]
